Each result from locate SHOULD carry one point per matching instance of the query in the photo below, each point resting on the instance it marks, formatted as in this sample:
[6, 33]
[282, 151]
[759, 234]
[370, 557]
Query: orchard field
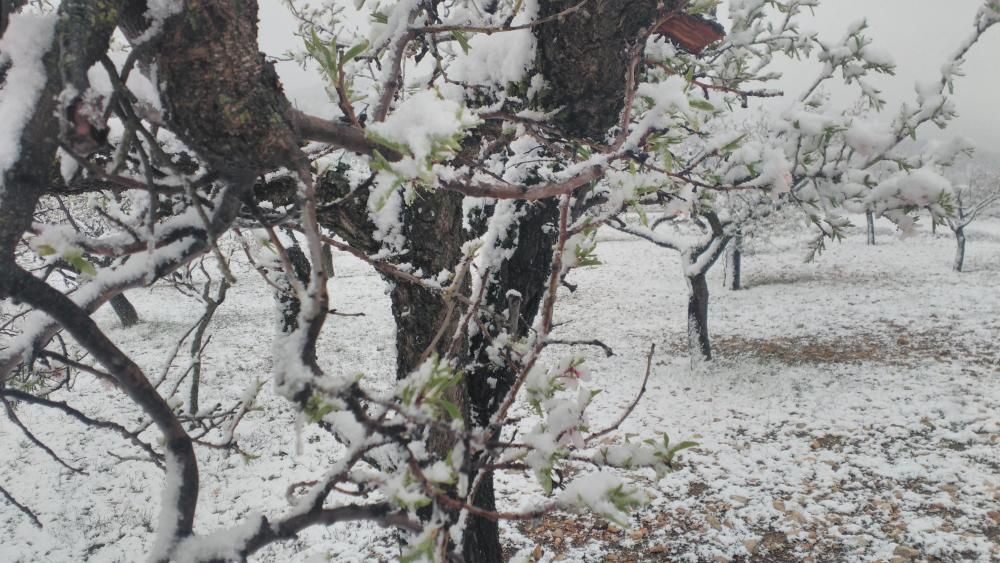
[851, 412]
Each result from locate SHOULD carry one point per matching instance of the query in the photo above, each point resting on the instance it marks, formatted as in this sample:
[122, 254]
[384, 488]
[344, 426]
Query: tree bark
[870, 217]
[584, 57]
[959, 249]
[699, 345]
[7, 8]
[515, 292]
[288, 302]
[433, 230]
[124, 310]
[736, 264]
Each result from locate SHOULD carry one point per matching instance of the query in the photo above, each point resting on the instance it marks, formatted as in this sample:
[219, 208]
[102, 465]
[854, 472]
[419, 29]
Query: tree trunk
[871, 227]
[517, 289]
[959, 249]
[433, 230]
[584, 57]
[288, 302]
[735, 264]
[328, 260]
[699, 346]
[124, 310]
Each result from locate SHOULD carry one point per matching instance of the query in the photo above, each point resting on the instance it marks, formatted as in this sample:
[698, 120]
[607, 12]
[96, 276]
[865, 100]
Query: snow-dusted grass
[853, 413]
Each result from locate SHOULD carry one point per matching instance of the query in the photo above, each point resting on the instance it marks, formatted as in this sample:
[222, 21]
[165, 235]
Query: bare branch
[34, 440]
[133, 437]
[631, 407]
[339, 134]
[607, 349]
[527, 193]
[24, 509]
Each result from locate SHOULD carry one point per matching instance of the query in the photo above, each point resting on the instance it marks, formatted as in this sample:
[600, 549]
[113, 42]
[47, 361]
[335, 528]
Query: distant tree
[972, 200]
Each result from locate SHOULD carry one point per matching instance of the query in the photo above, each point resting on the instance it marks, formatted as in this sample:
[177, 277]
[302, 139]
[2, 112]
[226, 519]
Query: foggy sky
[919, 34]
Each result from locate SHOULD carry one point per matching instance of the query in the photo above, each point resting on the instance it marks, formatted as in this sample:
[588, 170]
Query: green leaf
[545, 480]
[463, 41]
[701, 104]
[682, 446]
[451, 408]
[316, 409]
[45, 250]
[423, 551]
[353, 52]
[82, 265]
[734, 144]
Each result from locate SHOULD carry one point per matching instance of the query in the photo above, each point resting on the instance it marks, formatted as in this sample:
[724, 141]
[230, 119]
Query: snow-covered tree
[474, 151]
[825, 158]
[976, 193]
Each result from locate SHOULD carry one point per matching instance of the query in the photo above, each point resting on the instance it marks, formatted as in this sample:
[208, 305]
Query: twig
[607, 349]
[339, 314]
[527, 193]
[631, 407]
[173, 354]
[17, 422]
[70, 411]
[492, 30]
[24, 509]
[78, 365]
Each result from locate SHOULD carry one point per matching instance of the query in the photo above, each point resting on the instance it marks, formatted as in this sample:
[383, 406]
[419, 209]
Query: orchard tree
[977, 192]
[529, 123]
[824, 158]
[194, 116]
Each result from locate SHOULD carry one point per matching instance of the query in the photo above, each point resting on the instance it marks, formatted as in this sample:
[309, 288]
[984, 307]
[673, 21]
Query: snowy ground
[853, 413]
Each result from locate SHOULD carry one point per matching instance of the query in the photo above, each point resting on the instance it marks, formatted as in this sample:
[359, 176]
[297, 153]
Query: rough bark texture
[433, 230]
[8, 7]
[221, 97]
[288, 302]
[584, 56]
